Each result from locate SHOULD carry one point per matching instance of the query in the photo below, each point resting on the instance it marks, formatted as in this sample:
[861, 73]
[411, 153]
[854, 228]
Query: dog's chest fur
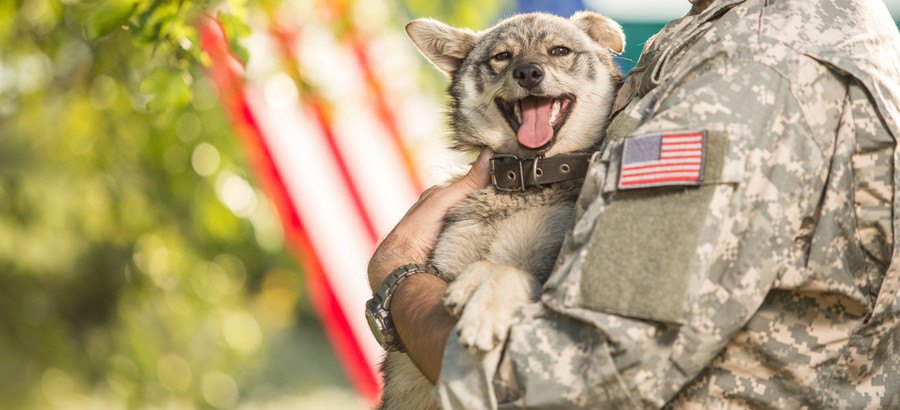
[505, 228]
[522, 229]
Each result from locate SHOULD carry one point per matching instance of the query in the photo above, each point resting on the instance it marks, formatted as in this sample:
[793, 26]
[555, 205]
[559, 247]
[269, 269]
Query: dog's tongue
[535, 130]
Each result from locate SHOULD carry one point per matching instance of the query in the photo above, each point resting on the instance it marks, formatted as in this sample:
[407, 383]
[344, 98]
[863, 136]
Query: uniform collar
[673, 36]
[702, 6]
[701, 12]
[699, 6]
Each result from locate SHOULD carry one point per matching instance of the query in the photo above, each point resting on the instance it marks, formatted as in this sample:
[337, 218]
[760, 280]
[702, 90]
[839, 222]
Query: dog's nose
[528, 75]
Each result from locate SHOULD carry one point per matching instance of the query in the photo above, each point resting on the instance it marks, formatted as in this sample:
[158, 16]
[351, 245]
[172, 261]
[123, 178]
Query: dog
[537, 89]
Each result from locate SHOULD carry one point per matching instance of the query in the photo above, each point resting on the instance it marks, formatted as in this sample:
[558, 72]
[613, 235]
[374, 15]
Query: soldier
[764, 282]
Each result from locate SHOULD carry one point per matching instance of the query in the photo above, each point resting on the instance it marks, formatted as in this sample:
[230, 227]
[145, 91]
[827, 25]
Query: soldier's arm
[421, 320]
[703, 258]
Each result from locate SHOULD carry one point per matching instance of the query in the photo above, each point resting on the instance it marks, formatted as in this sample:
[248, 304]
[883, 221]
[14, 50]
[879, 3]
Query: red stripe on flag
[224, 72]
[320, 113]
[339, 11]
[695, 141]
[638, 174]
[658, 180]
[325, 126]
[383, 109]
[668, 150]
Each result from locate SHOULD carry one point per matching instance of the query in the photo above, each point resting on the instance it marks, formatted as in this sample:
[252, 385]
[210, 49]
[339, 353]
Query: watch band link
[378, 308]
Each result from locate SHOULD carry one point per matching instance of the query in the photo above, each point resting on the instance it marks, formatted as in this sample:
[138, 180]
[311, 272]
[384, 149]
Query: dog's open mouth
[535, 120]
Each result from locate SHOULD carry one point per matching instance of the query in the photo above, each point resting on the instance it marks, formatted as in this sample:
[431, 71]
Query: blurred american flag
[333, 123]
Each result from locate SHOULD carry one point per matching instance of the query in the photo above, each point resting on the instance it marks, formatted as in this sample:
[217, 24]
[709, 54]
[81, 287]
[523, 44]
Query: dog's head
[534, 84]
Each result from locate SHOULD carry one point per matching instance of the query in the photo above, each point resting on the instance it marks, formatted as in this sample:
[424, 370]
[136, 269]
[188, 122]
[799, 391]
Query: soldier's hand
[414, 236]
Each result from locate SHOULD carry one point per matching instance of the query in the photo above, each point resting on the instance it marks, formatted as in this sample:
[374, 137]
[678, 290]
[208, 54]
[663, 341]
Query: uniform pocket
[643, 249]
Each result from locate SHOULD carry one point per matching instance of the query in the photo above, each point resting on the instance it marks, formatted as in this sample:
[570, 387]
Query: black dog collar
[510, 173]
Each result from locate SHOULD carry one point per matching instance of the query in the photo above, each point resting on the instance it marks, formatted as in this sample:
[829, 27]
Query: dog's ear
[601, 29]
[446, 47]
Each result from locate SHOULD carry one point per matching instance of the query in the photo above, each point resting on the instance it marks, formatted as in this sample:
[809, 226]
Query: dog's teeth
[518, 110]
[554, 112]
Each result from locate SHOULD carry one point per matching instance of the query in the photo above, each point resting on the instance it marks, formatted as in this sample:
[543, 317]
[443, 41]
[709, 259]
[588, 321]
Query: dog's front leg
[490, 309]
[458, 292]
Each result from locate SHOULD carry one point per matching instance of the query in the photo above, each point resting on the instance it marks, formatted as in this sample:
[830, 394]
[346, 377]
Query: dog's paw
[482, 331]
[486, 318]
[460, 290]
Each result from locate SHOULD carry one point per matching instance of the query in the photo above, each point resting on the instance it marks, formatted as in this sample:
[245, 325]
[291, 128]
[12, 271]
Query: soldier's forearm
[422, 322]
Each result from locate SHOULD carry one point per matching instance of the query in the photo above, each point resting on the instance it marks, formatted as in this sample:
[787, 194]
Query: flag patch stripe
[682, 144]
[684, 138]
[666, 162]
[654, 175]
[681, 154]
[663, 160]
[682, 147]
[653, 170]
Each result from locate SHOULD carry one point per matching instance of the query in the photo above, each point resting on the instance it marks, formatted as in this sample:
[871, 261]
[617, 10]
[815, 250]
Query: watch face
[375, 327]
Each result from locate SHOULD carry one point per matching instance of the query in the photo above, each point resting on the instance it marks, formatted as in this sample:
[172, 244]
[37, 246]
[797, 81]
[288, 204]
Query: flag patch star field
[669, 159]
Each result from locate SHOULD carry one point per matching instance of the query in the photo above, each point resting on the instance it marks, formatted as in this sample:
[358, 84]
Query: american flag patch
[674, 159]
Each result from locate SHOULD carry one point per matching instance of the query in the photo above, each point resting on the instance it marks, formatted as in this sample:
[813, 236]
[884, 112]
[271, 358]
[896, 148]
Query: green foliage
[168, 88]
[235, 29]
[110, 15]
[169, 29]
[129, 273]
[463, 13]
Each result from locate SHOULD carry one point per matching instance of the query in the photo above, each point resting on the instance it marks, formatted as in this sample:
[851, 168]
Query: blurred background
[189, 191]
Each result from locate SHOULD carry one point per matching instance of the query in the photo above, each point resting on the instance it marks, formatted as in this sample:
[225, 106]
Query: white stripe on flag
[373, 161]
[664, 162]
[324, 205]
[697, 138]
[315, 186]
[669, 154]
[669, 147]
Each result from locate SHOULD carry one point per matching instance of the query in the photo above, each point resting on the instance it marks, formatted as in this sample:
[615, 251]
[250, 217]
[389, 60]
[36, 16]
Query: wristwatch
[378, 312]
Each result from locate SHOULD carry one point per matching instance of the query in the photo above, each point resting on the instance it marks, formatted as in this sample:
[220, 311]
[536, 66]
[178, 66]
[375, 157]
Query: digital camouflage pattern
[778, 293]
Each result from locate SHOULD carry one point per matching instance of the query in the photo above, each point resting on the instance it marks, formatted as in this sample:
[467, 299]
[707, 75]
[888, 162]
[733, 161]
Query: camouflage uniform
[766, 286]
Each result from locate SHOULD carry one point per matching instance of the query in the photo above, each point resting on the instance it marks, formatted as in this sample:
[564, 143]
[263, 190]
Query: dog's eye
[560, 51]
[502, 56]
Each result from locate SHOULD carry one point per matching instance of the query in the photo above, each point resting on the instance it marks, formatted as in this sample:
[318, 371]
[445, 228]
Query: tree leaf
[235, 29]
[168, 89]
[108, 16]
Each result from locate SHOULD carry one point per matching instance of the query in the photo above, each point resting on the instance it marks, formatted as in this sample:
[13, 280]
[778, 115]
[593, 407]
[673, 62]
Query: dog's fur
[496, 248]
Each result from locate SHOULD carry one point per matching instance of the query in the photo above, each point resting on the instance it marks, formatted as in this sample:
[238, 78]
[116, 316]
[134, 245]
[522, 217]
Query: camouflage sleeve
[652, 283]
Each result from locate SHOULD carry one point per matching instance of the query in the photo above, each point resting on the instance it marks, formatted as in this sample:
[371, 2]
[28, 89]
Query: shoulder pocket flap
[642, 250]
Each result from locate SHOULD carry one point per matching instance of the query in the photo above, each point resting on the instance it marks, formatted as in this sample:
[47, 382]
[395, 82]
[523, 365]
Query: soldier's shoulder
[785, 40]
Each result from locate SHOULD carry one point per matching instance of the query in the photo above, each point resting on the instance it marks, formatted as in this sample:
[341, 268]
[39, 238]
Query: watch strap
[379, 305]
[385, 291]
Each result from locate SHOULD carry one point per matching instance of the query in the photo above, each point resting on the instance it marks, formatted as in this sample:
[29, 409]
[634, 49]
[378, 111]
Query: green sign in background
[637, 33]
